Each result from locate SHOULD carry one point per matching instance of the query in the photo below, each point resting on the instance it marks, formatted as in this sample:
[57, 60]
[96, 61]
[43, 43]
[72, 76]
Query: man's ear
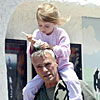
[56, 60]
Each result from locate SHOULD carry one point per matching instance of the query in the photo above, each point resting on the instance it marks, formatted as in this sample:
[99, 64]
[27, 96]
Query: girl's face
[46, 27]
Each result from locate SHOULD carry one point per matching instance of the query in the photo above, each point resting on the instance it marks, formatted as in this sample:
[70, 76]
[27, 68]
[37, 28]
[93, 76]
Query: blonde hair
[49, 13]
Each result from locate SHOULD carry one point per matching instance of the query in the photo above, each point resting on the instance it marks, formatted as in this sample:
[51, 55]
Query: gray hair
[40, 53]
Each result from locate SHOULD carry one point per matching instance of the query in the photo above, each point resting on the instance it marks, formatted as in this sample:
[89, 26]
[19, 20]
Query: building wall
[19, 15]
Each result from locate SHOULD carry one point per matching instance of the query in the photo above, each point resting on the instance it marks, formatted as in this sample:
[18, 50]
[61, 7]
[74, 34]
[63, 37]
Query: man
[54, 87]
[46, 67]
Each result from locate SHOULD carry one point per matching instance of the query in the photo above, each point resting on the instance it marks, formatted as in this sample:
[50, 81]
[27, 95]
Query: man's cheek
[52, 68]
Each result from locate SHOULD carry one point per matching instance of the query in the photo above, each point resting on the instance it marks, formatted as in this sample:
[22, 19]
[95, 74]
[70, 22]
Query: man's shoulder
[87, 91]
[41, 94]
[61, 92]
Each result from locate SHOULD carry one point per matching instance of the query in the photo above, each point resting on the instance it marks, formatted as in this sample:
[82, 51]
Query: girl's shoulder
[62, 33]
[60, 29]
[36, 31]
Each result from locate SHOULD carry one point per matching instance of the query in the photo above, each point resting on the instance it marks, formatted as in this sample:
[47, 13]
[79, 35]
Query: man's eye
[47, 65]
[39, 67]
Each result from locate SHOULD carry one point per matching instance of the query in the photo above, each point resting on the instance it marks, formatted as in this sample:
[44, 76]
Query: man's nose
[45, 69]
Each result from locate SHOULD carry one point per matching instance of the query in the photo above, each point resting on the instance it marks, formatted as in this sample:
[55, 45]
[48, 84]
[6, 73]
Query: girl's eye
[40, 25]
[47, 26]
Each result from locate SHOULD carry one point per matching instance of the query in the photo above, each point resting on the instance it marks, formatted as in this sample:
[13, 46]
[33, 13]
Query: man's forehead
[47, 55]
[43, 58]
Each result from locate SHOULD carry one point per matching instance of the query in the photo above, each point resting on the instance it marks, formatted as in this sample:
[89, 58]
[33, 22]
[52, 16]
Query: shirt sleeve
[29, 49]
[62, 49]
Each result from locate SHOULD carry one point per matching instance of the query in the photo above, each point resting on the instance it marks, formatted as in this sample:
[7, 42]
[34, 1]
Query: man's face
[46, 27]
[46, 68]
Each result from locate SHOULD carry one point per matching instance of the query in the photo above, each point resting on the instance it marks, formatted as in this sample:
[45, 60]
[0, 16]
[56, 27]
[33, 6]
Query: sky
[84, 2]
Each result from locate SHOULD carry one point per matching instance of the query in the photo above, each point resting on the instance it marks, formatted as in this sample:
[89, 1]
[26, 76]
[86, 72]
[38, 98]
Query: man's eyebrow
[38, 65]
[47, 63]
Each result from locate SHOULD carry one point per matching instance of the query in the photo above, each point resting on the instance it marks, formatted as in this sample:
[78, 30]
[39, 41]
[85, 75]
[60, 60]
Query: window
[16, 62]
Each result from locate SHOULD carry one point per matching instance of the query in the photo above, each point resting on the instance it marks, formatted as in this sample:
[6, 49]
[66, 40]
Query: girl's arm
[32, 41]
[62, 49]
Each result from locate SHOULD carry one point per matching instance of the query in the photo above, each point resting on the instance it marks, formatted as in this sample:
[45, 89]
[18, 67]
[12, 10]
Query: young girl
[58, 40]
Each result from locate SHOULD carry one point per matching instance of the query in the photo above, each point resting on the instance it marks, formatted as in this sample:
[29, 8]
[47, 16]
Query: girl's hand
[29, 37]
[45, 45]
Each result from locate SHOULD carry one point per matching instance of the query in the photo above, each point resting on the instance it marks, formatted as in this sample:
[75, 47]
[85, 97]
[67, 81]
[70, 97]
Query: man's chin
[49, 80]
